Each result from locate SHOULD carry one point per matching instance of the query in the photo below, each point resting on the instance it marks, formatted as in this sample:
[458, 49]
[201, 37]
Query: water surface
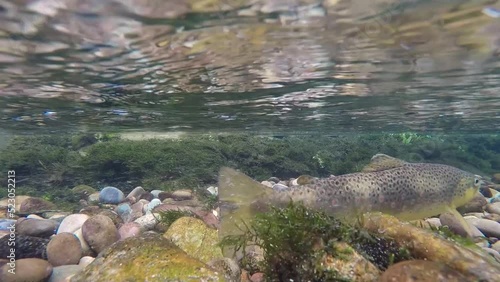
[231, 65]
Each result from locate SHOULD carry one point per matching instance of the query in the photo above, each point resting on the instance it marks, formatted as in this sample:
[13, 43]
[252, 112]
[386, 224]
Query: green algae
[194, 237]
[148, 257]
[302, 245]
[54, 164]
[166, 218]
[83, 190]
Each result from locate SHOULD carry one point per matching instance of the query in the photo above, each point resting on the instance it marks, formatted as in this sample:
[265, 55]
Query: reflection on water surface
[259, 65]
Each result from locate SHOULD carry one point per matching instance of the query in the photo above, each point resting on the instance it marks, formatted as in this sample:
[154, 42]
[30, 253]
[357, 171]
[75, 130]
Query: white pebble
[213, 190]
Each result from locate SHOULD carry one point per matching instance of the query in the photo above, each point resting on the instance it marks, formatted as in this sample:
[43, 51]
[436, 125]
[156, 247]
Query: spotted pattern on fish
[410, 191]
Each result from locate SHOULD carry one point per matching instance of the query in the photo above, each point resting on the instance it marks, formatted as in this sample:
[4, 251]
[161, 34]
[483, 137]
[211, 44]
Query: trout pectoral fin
[460, 220]
[381, 162]
[240, 198]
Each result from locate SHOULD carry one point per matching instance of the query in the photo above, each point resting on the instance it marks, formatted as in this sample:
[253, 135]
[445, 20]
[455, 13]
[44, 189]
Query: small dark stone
[147, 196]
[36, 227]
[485, 191]
[35, 205]
[164, 195]
[477, 204]
[117, 220]
[90, 210]
[274, 179]
[26, 247]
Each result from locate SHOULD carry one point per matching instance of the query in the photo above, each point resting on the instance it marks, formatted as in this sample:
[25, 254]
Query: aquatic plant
[194, 161]
[289, 237]
[295, 240]
[409, 137]
[166, 218]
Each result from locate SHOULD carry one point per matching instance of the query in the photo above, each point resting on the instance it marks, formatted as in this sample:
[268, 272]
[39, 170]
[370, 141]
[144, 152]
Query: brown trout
[406, 190]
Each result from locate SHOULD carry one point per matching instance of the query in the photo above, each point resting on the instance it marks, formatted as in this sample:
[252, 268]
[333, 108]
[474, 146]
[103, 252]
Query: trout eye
[477, 180]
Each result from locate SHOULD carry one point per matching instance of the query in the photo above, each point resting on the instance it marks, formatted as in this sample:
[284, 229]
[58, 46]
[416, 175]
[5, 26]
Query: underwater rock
[496, 178]
[189, 203]
[274, 179]
[423, 244]
[111, 195]
[28, 269]
[83, 191]
[124, 211]
[34, 205]
[280, 187]
[475, 205]
[86, 251]
[267, 183]
[208, 217]
[170, 207]
[137, 209]
[86, 260]
[4, 202]
[34, 216]
[434, 222]
[117, 220]
[148, 257]
[493, 208]
[245, 276]
[72, 222]
[194, 237]
[26, 247]
[99, 232]
[228, 267]
[91, 210]
[129, 229]
[164, 195]
[492, 216]
[64, 249]
[93, 198]
[496, 246]
[151, 205]
[36, 227]
[148, 221]
[213, 190]
[257, 277]
[63, 273]
[421, 271]
[488, 227]
[350, 266]
[147, 196]
[136, 192]
[182, 195]
[155, 193]
[6, 223]
[456, 226]
[492, 253]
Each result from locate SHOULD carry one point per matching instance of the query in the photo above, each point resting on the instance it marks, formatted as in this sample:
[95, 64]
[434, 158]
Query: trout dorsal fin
[381, 162]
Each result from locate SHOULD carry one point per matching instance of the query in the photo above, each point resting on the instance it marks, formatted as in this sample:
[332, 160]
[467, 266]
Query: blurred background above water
[230, 65]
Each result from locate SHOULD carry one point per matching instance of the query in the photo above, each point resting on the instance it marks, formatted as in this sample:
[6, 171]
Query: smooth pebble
[72, 222]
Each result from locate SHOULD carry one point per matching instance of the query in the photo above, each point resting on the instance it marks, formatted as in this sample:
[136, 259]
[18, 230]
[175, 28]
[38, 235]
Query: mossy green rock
[423, 244]
[83, 191]
[423, 271]
[349, 266]
[194, 237]
[148, 257]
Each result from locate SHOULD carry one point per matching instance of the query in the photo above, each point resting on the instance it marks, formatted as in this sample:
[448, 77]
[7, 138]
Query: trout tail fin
[240, 198]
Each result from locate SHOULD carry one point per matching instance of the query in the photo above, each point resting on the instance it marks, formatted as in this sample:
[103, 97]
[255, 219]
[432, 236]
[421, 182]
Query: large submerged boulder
[147, 257]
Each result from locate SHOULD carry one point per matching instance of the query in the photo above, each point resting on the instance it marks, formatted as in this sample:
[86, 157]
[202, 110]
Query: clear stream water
[233, 65]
